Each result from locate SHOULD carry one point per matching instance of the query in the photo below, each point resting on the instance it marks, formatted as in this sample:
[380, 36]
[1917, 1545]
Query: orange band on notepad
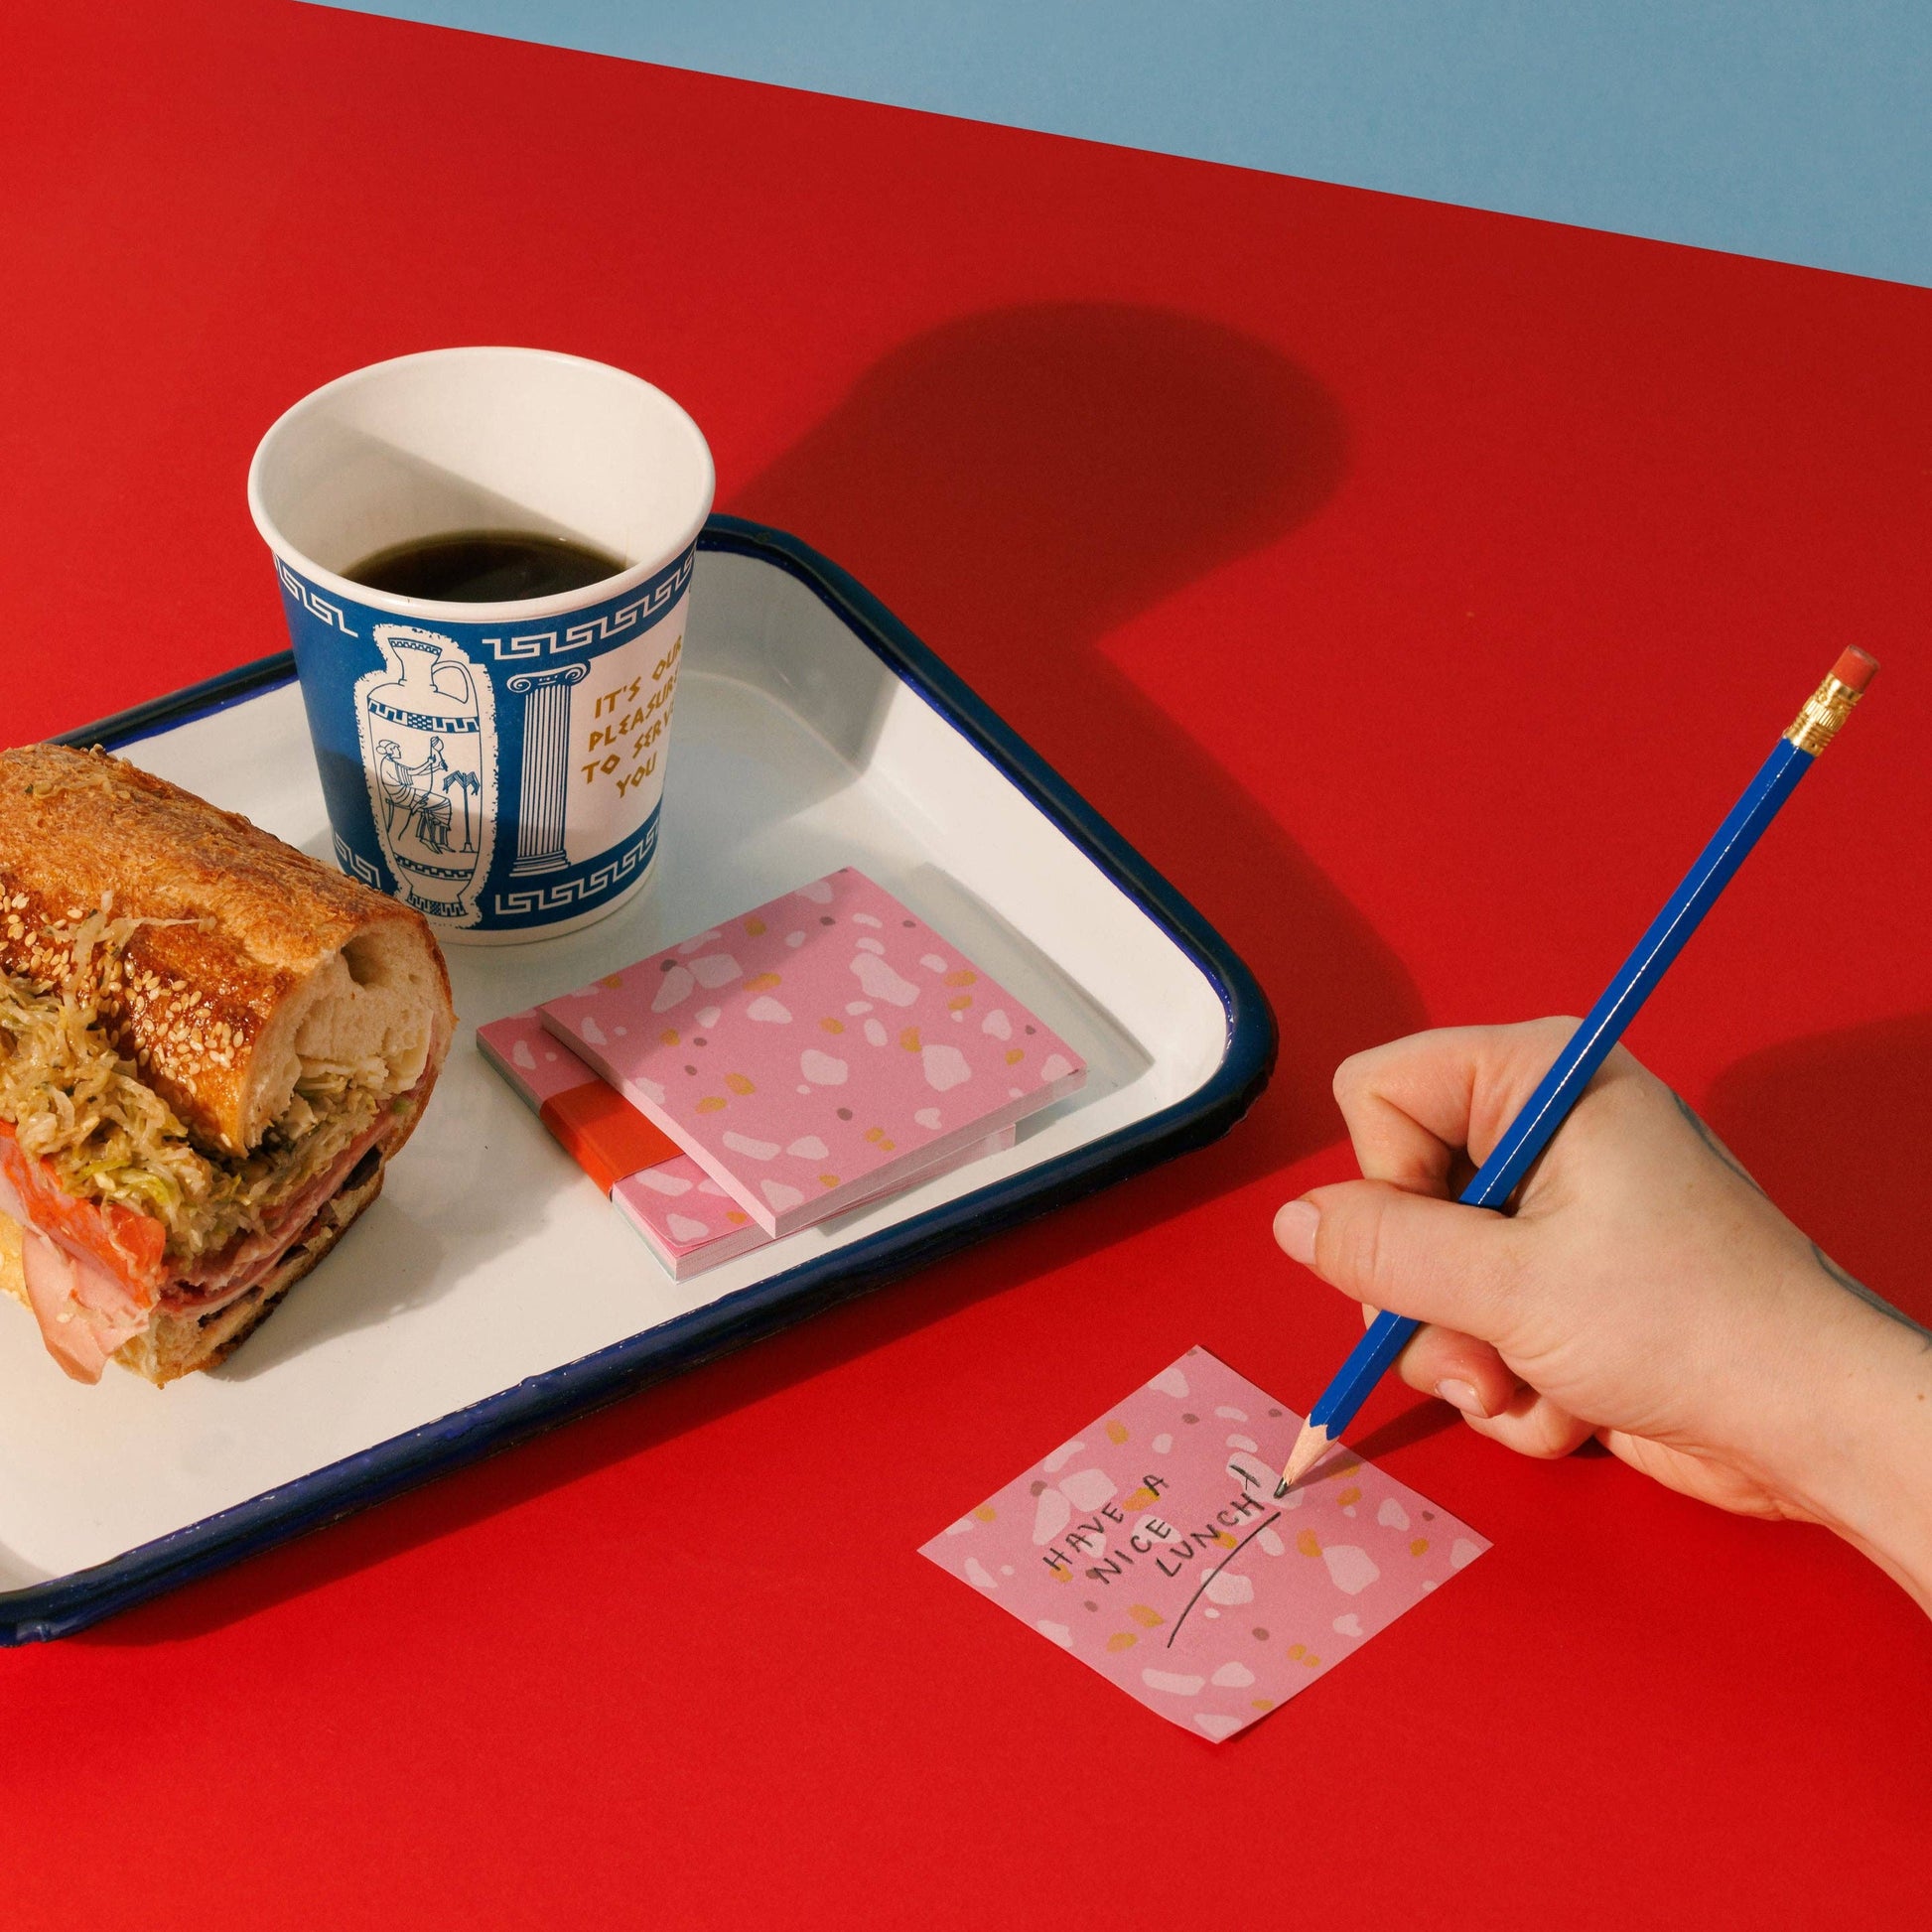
[605, 1134]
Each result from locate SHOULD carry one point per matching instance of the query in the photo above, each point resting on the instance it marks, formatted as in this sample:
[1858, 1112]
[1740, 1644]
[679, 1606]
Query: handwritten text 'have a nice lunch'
[1168, 1546]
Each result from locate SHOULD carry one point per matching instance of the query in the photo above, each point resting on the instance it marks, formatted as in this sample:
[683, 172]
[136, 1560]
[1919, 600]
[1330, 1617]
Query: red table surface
[1416, 587]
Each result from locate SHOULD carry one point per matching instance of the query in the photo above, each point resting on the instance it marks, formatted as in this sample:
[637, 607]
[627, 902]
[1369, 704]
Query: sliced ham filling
[84, 1312]
[86, 1309]
[217, 1278]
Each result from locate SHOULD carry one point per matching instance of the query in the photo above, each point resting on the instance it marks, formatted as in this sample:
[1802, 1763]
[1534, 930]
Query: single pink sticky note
[1151, 1547]
[688, 1220]
[817, 1052]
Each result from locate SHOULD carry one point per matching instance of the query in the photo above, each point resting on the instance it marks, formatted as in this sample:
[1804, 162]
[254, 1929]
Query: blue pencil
[1563, 1086]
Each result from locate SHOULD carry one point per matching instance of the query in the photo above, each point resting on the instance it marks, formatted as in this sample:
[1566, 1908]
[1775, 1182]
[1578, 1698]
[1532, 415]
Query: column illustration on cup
[485, 558]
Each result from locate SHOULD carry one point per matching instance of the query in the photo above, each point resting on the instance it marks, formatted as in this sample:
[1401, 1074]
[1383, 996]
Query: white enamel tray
[492, 1291]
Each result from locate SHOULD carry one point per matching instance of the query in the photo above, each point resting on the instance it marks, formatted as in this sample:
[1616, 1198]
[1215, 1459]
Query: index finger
[1413, 1105]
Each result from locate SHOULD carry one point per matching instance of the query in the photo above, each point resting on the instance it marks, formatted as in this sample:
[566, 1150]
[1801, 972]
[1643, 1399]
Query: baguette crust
[207, 1009]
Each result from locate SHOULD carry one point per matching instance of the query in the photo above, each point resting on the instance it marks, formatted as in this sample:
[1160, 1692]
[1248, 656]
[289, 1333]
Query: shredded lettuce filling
[74, 1101]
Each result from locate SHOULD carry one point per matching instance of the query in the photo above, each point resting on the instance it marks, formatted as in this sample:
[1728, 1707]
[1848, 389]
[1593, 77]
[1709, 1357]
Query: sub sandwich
[209, 1048]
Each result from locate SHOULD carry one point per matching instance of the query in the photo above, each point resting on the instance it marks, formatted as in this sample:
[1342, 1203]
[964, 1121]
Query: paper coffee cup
[498, 766]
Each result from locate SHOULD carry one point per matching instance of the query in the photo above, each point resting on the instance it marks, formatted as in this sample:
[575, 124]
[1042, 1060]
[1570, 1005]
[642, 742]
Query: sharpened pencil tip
[1280, 1489]
[1310, 1447]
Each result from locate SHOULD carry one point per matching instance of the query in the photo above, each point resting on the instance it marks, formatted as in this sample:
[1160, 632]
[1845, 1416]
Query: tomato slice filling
[129, 1245]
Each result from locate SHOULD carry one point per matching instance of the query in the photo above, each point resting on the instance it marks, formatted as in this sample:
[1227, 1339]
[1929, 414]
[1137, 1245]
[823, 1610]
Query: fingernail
[1462, 1395]
[1295, 1225]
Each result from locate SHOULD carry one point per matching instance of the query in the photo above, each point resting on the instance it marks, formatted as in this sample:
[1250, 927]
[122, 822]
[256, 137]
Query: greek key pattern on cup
[641, 614]
[352, 862]
[313, 601]
[589, 886]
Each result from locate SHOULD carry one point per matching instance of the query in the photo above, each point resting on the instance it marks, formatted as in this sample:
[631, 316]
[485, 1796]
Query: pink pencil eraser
[1854, 667]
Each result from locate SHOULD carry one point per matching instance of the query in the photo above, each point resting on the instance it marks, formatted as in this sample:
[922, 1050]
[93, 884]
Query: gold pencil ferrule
[1822, 717]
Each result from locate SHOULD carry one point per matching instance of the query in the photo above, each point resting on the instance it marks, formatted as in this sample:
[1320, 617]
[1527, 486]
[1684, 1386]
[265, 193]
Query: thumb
[1433, 1260]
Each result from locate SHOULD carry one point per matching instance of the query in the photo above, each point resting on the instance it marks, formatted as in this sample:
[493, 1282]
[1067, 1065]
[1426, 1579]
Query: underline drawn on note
[1217, 1571]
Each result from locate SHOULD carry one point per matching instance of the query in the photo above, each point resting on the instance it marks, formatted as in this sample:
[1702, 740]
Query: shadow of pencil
[1017, 485]
[1423, 1418]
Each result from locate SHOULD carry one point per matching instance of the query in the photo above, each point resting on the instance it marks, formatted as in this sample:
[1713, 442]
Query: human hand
[1645, 1291]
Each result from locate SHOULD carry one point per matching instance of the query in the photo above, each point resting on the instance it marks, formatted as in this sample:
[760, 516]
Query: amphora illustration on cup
[427, 726]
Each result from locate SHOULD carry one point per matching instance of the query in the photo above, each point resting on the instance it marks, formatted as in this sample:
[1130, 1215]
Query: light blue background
[1795, 129]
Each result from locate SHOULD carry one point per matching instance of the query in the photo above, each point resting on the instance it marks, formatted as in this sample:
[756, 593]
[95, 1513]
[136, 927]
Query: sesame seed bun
[250, 959]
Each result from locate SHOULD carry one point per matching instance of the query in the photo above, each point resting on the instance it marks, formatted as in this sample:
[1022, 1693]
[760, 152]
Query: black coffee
[483, 567]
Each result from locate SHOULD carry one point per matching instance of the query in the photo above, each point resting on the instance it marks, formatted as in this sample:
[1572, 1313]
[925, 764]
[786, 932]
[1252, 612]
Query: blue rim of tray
[64, 1604]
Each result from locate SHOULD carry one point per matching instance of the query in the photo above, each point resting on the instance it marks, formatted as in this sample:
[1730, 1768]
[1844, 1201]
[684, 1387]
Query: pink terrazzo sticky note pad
[1151, 1547]
[818, 1050]
[692, 1224]
[689, 1221]
[537, 1066]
